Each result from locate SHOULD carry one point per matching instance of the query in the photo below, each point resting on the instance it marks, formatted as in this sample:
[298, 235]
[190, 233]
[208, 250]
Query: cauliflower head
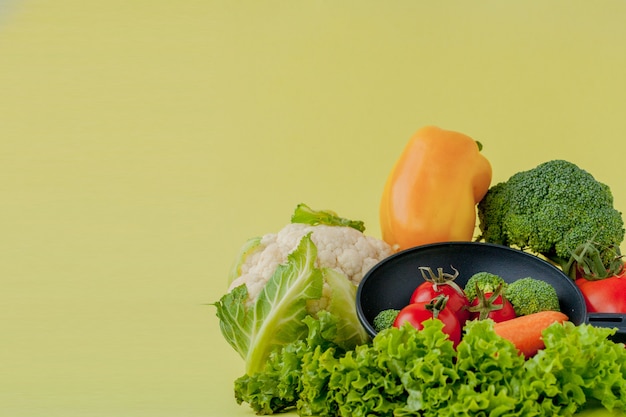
[341, 248]
[310, 268]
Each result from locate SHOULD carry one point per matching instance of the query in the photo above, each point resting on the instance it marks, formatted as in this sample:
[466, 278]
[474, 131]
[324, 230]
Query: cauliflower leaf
[275, 318]
[306, 215]
[350, 332]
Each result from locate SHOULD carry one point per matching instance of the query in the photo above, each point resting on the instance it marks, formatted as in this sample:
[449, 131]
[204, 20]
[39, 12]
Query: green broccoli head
[551, 210]
[492, 210]
[486, 282]
[530, 295]
[385, 319]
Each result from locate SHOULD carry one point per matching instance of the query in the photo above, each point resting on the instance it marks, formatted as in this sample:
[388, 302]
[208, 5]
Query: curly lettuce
[278, 387]
[406, 372]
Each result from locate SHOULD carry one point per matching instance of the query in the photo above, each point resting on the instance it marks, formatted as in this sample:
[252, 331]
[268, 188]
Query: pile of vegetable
[485, 296]
[290, 308]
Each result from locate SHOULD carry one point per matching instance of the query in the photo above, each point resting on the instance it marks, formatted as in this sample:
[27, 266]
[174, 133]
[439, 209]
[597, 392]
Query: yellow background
[142, 142]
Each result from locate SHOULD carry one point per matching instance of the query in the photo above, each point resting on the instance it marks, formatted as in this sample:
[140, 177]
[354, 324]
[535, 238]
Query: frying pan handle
[612, 320]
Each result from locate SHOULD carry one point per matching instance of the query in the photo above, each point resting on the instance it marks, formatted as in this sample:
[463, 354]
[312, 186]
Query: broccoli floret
[487, 283]
[552, 210]
[385, 319]
[530, 295]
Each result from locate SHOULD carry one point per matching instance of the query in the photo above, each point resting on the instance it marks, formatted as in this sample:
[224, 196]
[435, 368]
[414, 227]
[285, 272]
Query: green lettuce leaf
[579, 364]
[279, 386]
[406, 372]
[491, 372]
[396, 375]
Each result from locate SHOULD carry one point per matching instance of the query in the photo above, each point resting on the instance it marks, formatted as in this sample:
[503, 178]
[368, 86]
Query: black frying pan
[391, 282]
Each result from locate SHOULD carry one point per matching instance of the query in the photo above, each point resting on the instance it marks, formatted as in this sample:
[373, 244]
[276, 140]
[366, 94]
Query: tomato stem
[586, 262]
[487, 304]
[442, 278]
[437, 304]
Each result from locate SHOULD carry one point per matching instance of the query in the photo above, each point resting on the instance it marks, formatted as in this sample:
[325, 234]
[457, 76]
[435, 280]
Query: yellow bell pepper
[432, 191]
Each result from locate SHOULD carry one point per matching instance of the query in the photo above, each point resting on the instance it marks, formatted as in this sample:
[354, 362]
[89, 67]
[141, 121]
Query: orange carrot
[525, 331]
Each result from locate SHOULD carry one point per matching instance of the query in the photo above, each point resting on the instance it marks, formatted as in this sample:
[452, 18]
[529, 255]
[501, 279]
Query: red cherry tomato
[497, 309]
[457, 301]
[415, 314]
[606, 295]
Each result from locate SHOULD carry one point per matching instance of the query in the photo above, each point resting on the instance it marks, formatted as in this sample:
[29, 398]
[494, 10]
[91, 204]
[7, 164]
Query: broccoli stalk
[553, 210]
